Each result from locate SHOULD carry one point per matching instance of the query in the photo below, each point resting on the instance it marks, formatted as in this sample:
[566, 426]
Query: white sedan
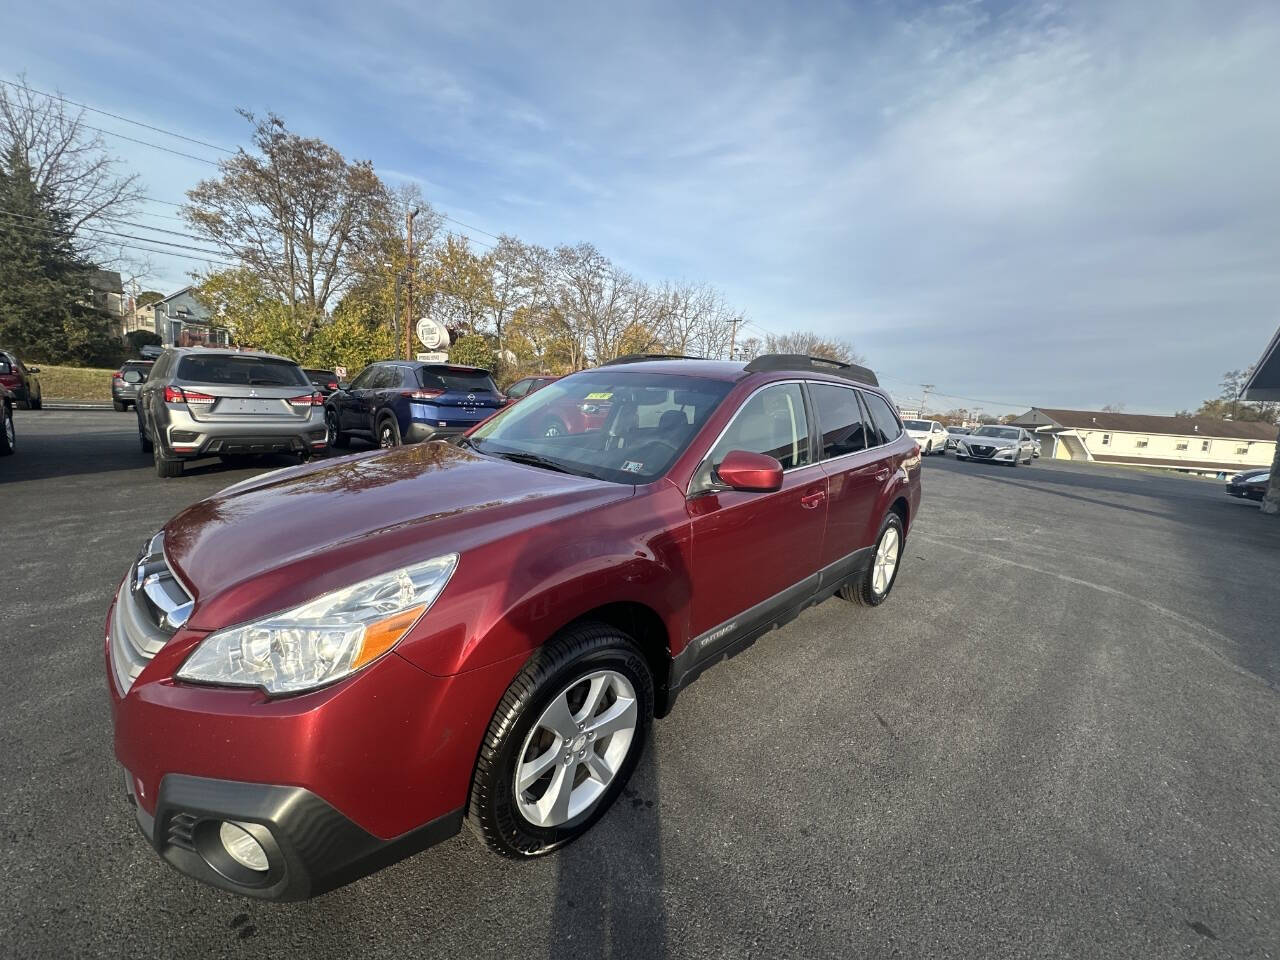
[930, 434]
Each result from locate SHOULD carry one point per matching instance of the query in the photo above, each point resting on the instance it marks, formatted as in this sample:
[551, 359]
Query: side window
[519, 388]
[839, 418]
[773, 422]
[363, 381]
[885, 420]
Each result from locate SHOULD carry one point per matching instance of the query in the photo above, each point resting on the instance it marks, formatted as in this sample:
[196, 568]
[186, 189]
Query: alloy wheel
[331, 428]
[576, 748]
[10, 435]
[886, 560]
[386, 437]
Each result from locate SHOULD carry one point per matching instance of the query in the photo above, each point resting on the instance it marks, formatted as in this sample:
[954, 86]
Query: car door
[353, 409]
[756, 555]
[856, 473]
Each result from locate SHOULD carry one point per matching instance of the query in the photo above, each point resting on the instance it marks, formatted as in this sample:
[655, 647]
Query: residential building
[106, 292]
[180, 320]
[1199, 445]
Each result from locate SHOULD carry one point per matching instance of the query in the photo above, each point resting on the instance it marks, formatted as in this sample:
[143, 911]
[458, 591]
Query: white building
[1191, 444]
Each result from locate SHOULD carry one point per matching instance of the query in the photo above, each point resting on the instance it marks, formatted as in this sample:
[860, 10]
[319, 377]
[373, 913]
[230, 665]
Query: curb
[55, 405]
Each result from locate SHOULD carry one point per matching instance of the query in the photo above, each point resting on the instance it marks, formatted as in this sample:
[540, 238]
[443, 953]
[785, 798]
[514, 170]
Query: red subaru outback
[327, 668]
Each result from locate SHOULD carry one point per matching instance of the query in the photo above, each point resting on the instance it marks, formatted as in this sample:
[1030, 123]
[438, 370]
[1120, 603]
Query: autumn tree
[1228, 405]
[296, 213]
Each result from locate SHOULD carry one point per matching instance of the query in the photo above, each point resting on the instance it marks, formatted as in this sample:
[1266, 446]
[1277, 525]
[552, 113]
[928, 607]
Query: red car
[326, 668]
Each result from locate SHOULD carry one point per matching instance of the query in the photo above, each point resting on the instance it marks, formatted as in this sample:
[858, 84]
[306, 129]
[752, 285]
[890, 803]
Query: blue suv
[403, 401]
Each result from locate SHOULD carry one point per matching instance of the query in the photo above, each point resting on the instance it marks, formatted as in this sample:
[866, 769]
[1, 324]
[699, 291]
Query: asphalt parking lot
[1058, 738]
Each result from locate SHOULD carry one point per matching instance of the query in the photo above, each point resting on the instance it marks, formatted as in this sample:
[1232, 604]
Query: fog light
[242, 847]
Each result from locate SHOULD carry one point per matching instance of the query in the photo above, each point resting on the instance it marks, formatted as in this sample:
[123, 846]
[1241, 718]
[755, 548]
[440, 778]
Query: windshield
[241, 370]
[1004, 433]
[918, 425]
[605, 423]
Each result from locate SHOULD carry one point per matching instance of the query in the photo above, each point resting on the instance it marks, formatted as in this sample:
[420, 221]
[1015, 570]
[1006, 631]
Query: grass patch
[75, 384]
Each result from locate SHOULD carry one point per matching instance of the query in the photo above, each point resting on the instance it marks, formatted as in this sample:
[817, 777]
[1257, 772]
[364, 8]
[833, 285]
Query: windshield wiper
[533, 460]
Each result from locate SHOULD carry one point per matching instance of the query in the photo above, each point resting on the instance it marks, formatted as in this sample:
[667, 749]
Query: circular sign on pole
[432, 334]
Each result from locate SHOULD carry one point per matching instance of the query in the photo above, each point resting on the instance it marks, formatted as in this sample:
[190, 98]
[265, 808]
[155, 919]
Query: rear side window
[773, 422]
[839, 418]
[882, 417]
[464, 381]
[5, 366]
[519, 388]
[236, 370]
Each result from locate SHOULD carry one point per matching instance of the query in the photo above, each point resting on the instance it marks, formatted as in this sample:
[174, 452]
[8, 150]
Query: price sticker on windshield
[598, 396]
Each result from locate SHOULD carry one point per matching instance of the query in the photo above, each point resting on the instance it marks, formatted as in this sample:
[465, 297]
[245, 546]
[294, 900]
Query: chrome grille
[150, 606]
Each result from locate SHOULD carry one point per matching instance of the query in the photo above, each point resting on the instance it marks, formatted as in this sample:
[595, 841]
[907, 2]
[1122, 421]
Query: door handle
[882, 475]
[811, 500]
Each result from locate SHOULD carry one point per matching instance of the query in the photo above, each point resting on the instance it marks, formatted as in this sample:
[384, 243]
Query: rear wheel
[165, 467]
[554, 428]
[388, 433]
[565, 739]
[38, 401]
[333, 434]
[872, 586]
[8, 437]
[144, 441]
[120, 406]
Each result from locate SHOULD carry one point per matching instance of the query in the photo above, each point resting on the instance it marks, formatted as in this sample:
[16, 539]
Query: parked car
[527, 385]
[21, 381]
[8, 436]
[326, 381]
[200, 402]
[406, 401]
[954, 435]
[1245, 482]
[1255, 488]
[1035, 447]
[930, 434]
[1000, 444]
[127, 381]
[322, 670]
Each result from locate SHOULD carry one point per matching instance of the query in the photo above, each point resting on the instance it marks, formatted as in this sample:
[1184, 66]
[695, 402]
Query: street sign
[432, 357]
[432, 334]
[340, 372]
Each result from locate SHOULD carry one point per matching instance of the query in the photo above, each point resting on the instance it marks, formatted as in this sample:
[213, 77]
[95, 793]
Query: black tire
[960, 456]
[165, 467]
[554, 427]
[493, 813]
[38, 402]
[388, 434]
[8, 436]
[862, 589]
[120, 406]
[333, 434]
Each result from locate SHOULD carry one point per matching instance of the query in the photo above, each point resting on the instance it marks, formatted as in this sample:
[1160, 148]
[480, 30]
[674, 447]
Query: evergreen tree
[46, 310]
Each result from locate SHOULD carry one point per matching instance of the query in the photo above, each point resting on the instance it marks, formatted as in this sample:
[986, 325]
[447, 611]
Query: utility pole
[408, 320]
[733, 334]
[924, 401]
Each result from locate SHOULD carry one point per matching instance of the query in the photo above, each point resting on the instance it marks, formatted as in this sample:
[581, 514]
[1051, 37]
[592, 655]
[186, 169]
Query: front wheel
[873, 585]
[554, 428]
[333, 433]
[8, 437]
[388, 433]
[38, 401]
[563, 742]
[120, 406]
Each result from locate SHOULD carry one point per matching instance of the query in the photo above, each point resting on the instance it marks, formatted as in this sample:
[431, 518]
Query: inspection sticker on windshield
[598, 396]
[630, 466]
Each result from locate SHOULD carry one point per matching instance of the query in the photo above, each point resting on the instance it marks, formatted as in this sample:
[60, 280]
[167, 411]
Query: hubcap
[8, 430]
[886, 561]
[331, 428]
[553, 430]
[388, 438]
[576, 748]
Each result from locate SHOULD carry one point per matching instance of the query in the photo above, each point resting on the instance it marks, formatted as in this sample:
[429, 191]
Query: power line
[212, 256]
[116, 116]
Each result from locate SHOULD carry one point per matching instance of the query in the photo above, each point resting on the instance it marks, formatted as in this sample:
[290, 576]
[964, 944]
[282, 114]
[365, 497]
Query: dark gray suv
[225, 403]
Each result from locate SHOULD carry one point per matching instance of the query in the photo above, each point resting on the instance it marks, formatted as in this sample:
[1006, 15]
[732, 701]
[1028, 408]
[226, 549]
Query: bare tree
[296, 213]
[70, 165]
[592, 298]
[813, 345]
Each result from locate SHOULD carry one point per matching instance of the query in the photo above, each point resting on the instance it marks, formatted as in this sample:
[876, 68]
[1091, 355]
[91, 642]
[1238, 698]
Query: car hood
[284, 537]
[988, 441]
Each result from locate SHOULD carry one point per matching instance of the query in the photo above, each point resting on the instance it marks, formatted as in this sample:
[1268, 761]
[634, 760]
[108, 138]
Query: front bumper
[310, 847]
[420, 432]
[986, 453]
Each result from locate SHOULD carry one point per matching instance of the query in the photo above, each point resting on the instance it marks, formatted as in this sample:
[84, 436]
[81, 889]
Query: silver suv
[225, 403]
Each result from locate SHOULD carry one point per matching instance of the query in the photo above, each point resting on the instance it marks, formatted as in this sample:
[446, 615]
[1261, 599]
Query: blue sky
[1060, 204]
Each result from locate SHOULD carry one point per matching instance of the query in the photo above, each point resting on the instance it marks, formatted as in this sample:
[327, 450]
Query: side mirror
[755, 472]
[342, 384]
[33, 369]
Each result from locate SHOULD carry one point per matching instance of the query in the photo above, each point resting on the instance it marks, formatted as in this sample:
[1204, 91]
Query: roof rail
[641, 357]
[798, 361]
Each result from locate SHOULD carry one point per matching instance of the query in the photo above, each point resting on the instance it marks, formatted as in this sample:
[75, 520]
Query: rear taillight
[421, 394]
[308, 400]
[178, 395]
[117, 375]
[332, 386]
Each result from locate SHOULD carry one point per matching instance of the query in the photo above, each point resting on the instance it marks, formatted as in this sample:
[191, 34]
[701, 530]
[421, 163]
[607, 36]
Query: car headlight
[325, 639]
